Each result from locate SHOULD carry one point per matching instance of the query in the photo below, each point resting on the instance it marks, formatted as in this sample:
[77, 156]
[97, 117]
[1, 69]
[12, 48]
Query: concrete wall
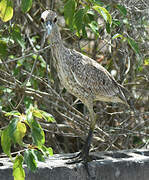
[120, 165]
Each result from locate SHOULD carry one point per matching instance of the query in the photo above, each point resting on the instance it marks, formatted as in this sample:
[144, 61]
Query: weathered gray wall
[121, 165]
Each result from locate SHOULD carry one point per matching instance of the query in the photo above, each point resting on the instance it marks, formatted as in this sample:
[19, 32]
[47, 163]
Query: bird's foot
[81, 157]
[84, 158]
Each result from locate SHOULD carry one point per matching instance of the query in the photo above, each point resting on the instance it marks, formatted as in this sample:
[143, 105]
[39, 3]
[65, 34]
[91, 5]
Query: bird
[82, 76]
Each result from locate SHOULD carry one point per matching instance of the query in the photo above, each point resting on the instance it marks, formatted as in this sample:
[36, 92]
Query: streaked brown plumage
[82, 76]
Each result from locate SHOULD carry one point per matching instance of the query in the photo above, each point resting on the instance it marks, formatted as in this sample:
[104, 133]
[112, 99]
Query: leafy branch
[17, 130]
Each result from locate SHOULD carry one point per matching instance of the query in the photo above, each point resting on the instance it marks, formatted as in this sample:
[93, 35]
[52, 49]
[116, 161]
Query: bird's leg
[85, 150]
[84, 154]
[86, 147]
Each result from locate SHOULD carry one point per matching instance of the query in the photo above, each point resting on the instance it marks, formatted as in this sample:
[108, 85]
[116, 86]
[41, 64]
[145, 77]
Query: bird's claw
[79, 157]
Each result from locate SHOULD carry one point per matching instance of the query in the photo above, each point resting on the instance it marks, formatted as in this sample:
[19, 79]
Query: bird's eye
[42, 20]
[55, 20]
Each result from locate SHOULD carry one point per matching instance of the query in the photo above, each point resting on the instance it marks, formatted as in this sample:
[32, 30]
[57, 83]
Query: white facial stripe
[44, 14]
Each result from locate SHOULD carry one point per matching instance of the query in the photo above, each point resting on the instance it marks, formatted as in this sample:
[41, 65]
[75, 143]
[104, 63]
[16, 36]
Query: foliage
[14, 134]
[79, 19]
[6, 10]
[18, 171]
[26, 5]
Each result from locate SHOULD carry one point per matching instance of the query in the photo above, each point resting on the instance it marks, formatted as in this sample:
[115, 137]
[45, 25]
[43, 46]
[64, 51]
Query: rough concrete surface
[118, 165]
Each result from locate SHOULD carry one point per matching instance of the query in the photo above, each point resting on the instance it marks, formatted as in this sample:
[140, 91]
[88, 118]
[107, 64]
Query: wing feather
[93, 77]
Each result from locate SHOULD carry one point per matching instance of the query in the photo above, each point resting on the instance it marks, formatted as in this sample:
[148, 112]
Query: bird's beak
[48, 26]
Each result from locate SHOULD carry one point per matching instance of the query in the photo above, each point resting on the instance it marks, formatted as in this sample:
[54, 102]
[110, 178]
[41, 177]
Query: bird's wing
[93, 77]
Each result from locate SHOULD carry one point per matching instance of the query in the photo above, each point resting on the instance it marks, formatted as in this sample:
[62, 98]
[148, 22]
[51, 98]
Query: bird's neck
[57, 47]
[55, 38]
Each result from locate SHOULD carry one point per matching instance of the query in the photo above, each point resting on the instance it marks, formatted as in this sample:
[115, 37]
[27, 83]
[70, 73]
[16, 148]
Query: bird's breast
[63, 69]
[66, 70]
[65, 77]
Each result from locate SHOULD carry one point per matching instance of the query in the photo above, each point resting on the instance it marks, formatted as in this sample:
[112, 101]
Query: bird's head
[49, 18]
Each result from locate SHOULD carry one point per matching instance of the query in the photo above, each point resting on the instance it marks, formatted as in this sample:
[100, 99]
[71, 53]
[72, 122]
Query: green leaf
[37, 133]
[50, 150]
[108, 28]
[13, 113]
[69, 10]
[15, 132]
[16, 35]
[39, 155]
[86, 19]
[84, 33]
[94, 27]
[6, 10]
[47, 150]
[19, 132]
[29, 116]
[122, 9]
[104, 13]
[117, 36]
[133, 45]
[18, 171]
[90, 16]
[116, 22]
[48, 117]
[37, 113]
[26, 5]
[3, 49]
[12, 128]
[6, 141]
[78, 19]
[146, 62]
[30, 159]
[43, 115]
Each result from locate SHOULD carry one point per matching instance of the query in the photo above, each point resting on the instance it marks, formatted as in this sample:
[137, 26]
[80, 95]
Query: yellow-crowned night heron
[81, 76]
